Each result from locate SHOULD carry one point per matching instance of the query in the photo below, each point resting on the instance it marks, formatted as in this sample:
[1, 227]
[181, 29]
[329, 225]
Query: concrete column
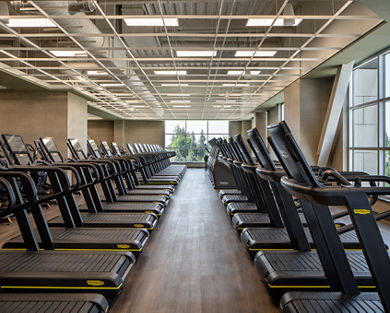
[260, 122]
[305, 107]
[234, 128]
[34, 114]
[119, 132]
[245, 126]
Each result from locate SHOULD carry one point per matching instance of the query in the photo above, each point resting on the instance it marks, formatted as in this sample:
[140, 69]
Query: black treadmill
[301, 270]
[50, 153]
[137, 185]
[35, 270]
[146, 170]
[43, 303]
[131, 188]
[340, 270]
[111, 203]
[73, 236]
[291, 234]
[123, 195]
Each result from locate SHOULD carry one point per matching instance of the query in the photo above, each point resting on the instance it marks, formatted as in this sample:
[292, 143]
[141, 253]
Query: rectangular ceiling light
[96, 73]
[196, 53]
[68, 53]
[30, 22]
[180, 101]
[151, 21]
[268, 21]
[174, 85]
[235, 73]
[139, 106]
[181, 106]
[111, 85]
[216, 106]
[262, 53]
[255, 72]
[235, 85]
[170, 72]
[178, 94]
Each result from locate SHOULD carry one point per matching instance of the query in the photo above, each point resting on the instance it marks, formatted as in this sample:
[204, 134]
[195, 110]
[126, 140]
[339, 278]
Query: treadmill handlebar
[7, 188]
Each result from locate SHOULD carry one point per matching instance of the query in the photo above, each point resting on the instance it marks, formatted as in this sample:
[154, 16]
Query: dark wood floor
[194, 261]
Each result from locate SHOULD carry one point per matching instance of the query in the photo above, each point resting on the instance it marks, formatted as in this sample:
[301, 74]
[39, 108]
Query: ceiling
[89, 47]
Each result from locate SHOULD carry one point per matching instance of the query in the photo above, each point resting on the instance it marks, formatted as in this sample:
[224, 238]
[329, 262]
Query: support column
[245, 126]
[234, 128]
[306, 102]
[119, 132]
[260, 122]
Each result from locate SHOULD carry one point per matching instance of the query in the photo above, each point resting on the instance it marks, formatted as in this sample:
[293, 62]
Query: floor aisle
[194, 261]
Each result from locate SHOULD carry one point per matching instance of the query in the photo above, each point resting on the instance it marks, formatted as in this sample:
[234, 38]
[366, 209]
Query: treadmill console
[77, 148]
[94, 148]
[17, 148]
[52, 149]
[106, 148]
[116, 148]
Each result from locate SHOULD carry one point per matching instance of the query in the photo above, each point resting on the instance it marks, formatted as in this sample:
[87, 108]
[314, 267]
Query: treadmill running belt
[308, 302]
[57, 303]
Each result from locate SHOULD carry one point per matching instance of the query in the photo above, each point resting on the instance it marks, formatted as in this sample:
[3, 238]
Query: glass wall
[189, 139]
[369, 116]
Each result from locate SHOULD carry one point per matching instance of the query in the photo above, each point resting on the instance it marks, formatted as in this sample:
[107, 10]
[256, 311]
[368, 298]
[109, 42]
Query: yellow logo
[95, 282]
[123, 246]
[361, 211]
[139, 225]
[148, 211]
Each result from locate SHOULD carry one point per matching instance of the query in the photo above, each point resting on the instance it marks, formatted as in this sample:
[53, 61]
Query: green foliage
[186, 146]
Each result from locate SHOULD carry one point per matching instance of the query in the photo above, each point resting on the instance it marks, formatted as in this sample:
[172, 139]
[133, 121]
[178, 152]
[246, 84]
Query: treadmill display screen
[94, 147]
[115, 146]
[76, 145]
[16, 143]
[50, 144]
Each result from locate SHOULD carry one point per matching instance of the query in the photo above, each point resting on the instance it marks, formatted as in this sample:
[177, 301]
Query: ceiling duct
[82, 6]
[86, 26]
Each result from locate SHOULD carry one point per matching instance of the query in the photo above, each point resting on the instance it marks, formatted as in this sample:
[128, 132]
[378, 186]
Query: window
[189, 139]
[369, 116]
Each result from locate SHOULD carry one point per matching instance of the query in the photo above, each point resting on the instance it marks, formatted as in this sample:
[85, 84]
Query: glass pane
[197, 127]
[171, 126]
[218, 127]
[366, 161]
[387, 75]
[168, 140]
[365, 127]
[365, 87]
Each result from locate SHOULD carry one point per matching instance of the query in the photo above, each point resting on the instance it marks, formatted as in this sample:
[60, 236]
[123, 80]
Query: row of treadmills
[288, 213]
[109, 200]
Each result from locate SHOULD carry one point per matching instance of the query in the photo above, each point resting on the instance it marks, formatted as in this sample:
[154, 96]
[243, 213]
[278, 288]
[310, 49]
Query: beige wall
[260, 122]
[35, 114]
[245, 126]
[273, 116]
[100, 130]
[145, 132]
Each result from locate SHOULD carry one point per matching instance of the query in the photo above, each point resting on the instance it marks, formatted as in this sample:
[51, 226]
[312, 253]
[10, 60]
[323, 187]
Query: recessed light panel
[196, 53]
[30, 22]
[151, 21]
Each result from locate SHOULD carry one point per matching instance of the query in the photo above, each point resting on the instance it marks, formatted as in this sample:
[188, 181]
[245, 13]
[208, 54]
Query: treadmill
[338, 266]
[289, 235]
[36, 270]
[73, 236]
[304, 270]
[111, 203]
[133, 173]
[43, 303]
[131, 188]
[123, 195]
[93, 218]
[145, 167]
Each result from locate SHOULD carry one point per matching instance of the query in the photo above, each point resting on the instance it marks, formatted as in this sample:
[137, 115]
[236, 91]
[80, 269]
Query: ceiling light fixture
[111, 85]
[181, 106]
[30, 22]
[151, 21]
[250, 53]
[180, 101]
[96, 73]
[268, 21]
[235, 85]
[174, 85]
[178, 95]
[196, 53]
[170, 72]
[68, 53]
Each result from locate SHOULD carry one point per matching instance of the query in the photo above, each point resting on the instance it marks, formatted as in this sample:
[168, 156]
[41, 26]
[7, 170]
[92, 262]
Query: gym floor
[194, 261]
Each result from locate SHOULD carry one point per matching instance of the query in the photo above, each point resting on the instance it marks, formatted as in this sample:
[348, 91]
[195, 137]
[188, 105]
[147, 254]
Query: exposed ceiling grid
[188, 60]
